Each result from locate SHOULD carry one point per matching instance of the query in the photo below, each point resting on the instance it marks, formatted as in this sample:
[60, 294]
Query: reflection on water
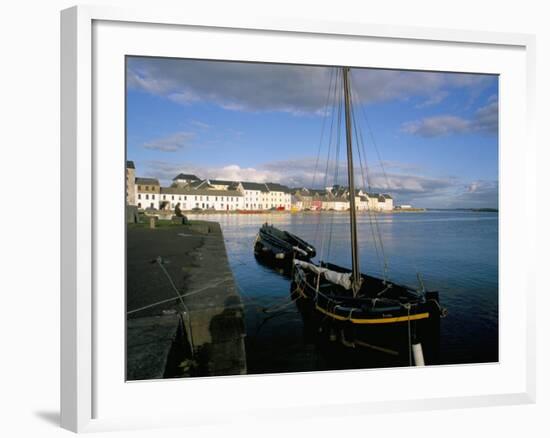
[456, 252]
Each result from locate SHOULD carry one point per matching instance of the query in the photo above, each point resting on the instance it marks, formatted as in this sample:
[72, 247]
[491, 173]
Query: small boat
[280, 247]
[251, 211]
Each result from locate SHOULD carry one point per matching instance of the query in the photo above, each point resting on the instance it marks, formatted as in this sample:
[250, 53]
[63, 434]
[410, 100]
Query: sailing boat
[366, 310]
[279, 247]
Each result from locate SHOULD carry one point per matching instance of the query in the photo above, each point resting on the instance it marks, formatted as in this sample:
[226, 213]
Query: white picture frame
[86, 401]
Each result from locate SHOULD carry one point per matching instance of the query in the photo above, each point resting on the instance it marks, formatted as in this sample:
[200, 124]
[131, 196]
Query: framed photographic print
[250, 207]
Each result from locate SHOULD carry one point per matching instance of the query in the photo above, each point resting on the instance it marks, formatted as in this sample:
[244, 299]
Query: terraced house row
[193, 193]
[337, 198]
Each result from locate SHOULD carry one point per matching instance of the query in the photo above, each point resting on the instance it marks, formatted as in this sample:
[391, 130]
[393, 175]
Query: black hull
[281, 267]
[279, 248]
[384, 326]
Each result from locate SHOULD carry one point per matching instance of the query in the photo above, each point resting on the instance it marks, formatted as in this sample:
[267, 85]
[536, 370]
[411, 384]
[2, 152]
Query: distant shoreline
[275, 212]
[475, 210]
[278, 212]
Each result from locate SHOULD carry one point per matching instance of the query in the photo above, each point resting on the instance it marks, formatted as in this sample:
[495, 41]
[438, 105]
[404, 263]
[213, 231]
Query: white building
[185, 178]
[278, 196]
[205, 199]
[254, 195]
[385, 202]
[337, 198]
[221, 184]
[339, 203]
[147, 193]
[376, 202]
[190, 193]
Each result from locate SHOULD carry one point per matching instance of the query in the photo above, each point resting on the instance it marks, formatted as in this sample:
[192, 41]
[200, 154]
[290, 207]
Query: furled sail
[338, 278]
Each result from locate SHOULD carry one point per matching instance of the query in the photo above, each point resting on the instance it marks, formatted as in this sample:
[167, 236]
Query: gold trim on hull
[374, 320]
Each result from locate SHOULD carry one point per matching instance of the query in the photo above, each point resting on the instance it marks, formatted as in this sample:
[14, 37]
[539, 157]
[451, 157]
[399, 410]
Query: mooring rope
[179, 297]
[272, 309]
[186, 312]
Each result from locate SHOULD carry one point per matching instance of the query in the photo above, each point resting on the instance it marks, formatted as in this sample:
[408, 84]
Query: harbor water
[456, 253]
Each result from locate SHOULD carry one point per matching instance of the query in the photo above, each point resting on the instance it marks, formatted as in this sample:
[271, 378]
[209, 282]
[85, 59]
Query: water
[456, 252]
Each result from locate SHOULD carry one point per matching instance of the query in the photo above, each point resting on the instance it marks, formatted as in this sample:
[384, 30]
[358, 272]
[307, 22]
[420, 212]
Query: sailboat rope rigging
[334, 109]
[384, 173]
[376, 234]
[328, 104]
[406, 306]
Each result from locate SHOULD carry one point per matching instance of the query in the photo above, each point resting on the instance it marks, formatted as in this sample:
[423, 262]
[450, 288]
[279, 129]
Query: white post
[418, 355]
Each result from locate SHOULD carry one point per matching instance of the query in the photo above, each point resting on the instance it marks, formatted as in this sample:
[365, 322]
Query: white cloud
[479, 193]
[301, 173]
[437, 126]
[171, 143]
[436, 98]
[480, 186]
[200, 124]
[416, 188]
[234, 172]
[484, 120]
[276, 87]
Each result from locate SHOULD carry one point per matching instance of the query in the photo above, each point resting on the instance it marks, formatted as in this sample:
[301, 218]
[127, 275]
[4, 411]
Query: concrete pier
[184, 314]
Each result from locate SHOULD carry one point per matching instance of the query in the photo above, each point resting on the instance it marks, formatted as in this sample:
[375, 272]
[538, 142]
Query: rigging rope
[336, 167]
[186, 312]
[375, 229]
[376, 236]
[332, 106]
[382, 167]
[336, 101]
[325, 116]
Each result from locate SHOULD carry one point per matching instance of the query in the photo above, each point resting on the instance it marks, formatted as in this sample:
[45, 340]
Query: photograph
[287, 218]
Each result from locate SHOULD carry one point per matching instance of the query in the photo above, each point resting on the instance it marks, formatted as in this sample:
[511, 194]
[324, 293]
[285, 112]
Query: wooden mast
[356, 275]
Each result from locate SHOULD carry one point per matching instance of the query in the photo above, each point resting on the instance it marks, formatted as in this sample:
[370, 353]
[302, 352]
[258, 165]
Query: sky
[430, 139]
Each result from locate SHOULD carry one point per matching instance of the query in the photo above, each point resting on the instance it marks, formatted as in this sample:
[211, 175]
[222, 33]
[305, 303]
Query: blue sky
[429, 138]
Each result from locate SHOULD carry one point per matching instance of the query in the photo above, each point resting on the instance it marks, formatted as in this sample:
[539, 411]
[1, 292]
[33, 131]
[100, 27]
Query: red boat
[251, 211]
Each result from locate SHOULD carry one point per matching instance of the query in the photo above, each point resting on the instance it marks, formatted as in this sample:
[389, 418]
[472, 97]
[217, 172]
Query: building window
[185, 198]
[164, 197]
[139, 195]
[173, 197]
[146, 196]
[152, 196]
[146, 188]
